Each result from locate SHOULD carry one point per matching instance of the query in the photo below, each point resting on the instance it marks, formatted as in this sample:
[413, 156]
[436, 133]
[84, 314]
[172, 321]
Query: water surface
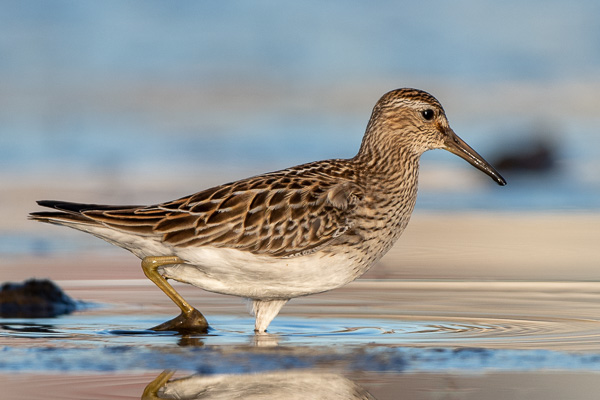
[370, 335]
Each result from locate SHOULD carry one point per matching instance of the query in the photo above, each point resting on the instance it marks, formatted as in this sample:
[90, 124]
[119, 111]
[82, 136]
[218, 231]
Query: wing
[282, 214]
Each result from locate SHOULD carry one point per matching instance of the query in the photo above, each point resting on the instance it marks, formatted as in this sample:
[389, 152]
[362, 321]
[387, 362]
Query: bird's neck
[390, 195]
[390, 178]
[387, 162]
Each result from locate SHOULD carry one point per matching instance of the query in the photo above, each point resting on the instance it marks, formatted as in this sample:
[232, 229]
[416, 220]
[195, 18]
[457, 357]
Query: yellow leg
[190, 320]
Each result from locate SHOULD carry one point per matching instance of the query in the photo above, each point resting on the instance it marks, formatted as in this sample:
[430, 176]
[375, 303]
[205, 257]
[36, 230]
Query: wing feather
[281, 214]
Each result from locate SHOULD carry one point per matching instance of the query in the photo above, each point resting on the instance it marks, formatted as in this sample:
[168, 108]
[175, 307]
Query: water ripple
[549, 333]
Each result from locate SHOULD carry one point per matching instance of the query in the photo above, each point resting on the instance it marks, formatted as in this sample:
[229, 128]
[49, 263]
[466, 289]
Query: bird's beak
[457, 146]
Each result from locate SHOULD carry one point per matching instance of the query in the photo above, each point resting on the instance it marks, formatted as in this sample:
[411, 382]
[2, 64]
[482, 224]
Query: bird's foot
[185, 323]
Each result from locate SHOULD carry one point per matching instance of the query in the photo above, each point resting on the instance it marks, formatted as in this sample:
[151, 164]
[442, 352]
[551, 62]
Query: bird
[280, 235]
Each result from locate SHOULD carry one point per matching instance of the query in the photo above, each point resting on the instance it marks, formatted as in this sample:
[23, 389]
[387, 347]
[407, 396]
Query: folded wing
[281, 214]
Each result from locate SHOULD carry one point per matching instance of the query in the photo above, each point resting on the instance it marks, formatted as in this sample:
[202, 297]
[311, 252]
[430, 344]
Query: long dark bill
[457, 146]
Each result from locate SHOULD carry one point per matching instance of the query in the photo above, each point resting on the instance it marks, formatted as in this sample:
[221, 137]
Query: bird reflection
[262, 386]
[265, 340]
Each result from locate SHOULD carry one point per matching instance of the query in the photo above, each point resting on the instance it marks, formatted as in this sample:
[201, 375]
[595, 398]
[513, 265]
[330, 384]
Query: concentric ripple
[553, 334]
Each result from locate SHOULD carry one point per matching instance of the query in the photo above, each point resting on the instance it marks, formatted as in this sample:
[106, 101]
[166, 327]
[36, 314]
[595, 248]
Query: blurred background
[144, 101]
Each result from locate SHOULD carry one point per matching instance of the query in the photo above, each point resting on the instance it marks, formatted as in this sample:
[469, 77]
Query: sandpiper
[272, 237]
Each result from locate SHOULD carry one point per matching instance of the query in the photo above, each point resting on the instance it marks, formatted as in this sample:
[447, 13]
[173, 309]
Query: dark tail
[78, 208]
[69, 212]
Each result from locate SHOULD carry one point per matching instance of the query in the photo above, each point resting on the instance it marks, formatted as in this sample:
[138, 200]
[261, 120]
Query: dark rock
[533, 156]
[34, 299]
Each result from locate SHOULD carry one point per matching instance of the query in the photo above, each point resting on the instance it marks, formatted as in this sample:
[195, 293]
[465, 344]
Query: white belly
[240, 273]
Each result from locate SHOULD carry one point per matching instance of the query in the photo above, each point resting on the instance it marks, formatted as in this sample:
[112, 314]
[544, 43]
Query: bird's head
[414, 121]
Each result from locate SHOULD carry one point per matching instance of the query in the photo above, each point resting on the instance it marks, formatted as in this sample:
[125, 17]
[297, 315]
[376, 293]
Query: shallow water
[82, 331]
[384, 339]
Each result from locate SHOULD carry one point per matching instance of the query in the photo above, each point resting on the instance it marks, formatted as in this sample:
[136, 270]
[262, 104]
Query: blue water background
[256, 86]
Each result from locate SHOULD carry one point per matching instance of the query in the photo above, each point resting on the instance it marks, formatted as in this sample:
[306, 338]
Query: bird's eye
[428, 114]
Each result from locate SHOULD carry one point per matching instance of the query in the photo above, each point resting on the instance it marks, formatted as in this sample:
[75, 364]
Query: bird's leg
[265, 311]
[190, 320]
